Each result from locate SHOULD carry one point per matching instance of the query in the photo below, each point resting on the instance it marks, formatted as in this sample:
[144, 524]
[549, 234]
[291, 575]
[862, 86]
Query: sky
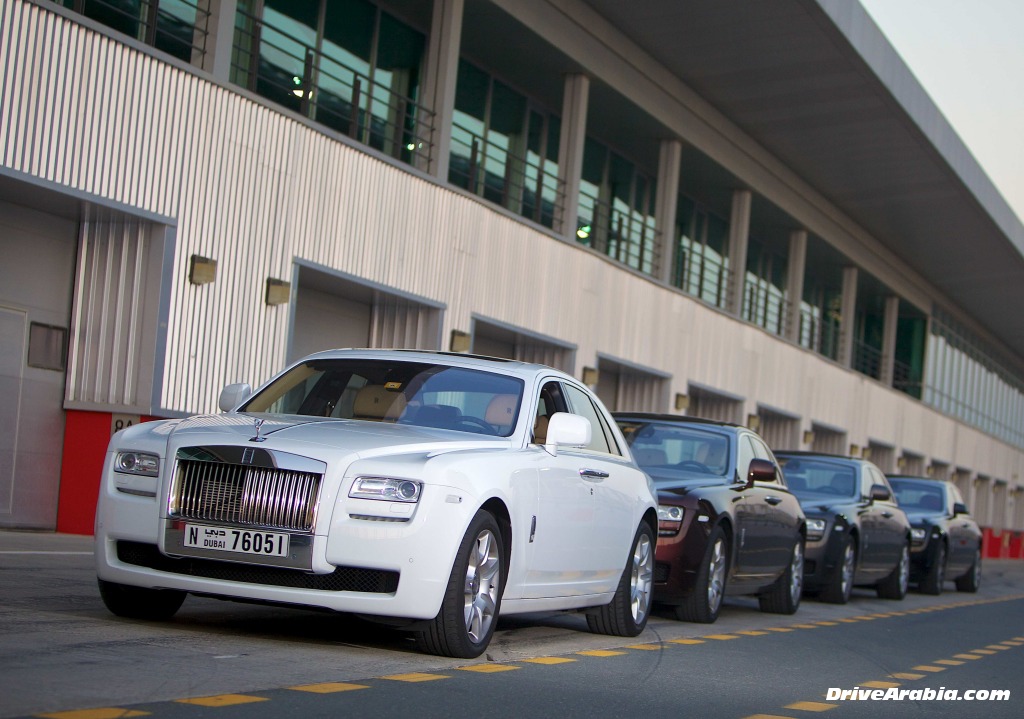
[969, 57]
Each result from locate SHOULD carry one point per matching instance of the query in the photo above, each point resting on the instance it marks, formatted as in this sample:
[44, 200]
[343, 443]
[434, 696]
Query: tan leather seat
[376, 404]
[540, 429]
[501, 412]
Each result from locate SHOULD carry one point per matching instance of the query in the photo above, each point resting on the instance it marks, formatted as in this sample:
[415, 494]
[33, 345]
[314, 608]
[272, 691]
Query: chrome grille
[247, 495]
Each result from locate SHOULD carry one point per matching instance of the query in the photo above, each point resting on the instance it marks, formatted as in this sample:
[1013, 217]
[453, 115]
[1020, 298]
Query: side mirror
[959, 508]
[880, 493]
[761, 470]
[567, 430]
[233, 395]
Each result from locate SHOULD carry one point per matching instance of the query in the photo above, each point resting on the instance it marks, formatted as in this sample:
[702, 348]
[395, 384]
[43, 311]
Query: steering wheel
[477, 422]
[696, 466]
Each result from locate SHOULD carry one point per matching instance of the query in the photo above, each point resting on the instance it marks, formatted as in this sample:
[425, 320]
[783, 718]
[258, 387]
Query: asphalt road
[63, 655]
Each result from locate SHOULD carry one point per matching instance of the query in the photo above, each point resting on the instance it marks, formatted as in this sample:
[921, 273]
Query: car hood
[317, 435]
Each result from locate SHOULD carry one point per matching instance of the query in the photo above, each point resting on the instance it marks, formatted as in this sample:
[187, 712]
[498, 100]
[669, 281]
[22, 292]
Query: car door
[576, 527]
[613, 480]
[874, 542]
[892, 520]
[963, 534]
[755, 541]
[783, 512]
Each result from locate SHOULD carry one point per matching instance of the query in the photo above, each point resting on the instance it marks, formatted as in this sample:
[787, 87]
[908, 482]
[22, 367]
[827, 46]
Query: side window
[551, 400]
[761, 451]
[601, 438]
[746, 453]
[876, 477]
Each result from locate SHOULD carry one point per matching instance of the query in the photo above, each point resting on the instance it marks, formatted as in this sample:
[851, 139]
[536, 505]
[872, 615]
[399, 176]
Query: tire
[971, 581]
[703, 604]
[933, 580]
[626, 615]
[895, 585]
[783, 597]
[140, 602]
[469, 610]
[838, 589]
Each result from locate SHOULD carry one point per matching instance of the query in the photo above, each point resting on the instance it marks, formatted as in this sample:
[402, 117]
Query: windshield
[819, 478]
[428, 395]
[919, 496]
[670, 452]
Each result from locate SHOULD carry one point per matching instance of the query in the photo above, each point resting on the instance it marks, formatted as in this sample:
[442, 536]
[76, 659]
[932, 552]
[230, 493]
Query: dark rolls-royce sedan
[727, 524]
[946, 541]
[856, 532]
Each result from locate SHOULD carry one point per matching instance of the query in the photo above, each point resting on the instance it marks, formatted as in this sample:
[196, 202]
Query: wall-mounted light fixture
[901, 463]
[201, 270]
[278, 291]
[460, 341]
[929, 470]
[682, 402]
[590, 376]
[808, 437]
[854, 450]
[754, 422]
[866, 453]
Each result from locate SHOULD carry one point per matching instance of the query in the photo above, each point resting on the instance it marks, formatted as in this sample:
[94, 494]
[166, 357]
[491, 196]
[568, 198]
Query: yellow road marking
[752, 633]
[415, 677]
[102, 713]
[982, 651]
[999, 647]
[646, 647]
[948, 662]
[549, 660]
[489, 668]
[779, 629]
[865, 617]
[906, 675]
[929, 668]
[329, 687]
[879, 685]
[803, 626]
[600, 653]
[827, 624]
[721, 637]
[811, 706]
[222, 700]
[848, 620]
[687, 641]
[967, 656]
[1013, 644]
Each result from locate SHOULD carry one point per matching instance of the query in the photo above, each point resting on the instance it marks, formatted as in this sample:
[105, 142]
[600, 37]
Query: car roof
[914, 478]
[674, 418]
[500, 365]
[822, 455]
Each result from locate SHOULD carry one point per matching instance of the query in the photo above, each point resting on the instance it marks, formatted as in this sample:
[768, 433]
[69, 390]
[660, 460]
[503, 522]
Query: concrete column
[739, 236]
[442, 72]
[848, 316]
[795, 282]
[570, 152]
[887, 372]
[220, 38]
[670, 158]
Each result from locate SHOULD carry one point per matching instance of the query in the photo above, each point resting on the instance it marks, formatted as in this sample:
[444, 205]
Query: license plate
[243, 541]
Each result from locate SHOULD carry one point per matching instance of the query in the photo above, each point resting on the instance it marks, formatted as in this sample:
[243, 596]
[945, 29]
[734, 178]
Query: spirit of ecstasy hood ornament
[259, 423]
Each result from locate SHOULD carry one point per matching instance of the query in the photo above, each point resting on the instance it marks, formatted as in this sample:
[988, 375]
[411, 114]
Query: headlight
[142, 463]
[917, 534]
[670, 520]
[815, 529]
[386, 488]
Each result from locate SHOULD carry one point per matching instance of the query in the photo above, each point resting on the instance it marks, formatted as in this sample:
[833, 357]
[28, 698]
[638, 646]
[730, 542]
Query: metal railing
[522, 186]
[177, 27]
[625, 236]
[701, 275]
[330, 92]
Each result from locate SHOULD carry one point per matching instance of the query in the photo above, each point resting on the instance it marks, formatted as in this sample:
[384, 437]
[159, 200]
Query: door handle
[773, 500]
[593, 474]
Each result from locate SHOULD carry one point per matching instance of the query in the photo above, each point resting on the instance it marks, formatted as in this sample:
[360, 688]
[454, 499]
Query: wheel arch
[497, 509]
